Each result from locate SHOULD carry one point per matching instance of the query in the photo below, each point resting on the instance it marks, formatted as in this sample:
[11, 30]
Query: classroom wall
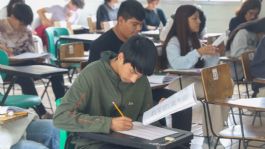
[218, 14]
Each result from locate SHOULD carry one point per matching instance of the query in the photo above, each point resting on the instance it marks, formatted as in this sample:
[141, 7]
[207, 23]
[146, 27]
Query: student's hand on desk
[208, 50]
[9, 51]
[121, 123]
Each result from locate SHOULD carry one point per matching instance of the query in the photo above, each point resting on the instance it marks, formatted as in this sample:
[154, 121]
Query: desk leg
[242, 129]
[8, 90]
[45, 90]
[234, 63]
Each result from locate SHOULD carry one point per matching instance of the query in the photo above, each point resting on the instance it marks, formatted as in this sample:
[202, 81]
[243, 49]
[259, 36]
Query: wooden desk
[121, 139]
[33, 71]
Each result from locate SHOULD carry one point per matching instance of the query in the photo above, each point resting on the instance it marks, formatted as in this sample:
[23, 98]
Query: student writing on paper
[15, 39]
[130, 20]
[119, 78]
[182, 50]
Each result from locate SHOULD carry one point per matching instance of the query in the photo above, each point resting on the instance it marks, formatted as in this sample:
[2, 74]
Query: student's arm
[162, 16]
[44, 20]
[239, 43]
[147, 99]
[177, 61]
[71, 115]
[102, 16]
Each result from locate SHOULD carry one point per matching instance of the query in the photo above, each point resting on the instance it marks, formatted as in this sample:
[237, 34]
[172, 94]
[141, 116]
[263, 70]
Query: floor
[199, 142]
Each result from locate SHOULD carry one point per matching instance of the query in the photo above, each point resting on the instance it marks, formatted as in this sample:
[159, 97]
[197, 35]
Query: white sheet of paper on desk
[181, 100]
[194, 70]
[147, 132]
[219, 40]
[29, 55]
[160, 79]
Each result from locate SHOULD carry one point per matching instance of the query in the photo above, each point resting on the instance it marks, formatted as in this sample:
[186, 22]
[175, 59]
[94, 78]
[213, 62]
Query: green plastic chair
[22, 101]
[63, 134]
[53, 34]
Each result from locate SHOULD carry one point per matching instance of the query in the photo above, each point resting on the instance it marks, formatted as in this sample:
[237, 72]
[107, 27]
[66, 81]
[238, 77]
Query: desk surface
[186, 72]
[35, 71]
[121, 139]
[28, 56]
[82, 37]
[257, 104]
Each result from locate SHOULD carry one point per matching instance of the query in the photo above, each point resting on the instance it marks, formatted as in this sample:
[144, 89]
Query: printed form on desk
[148, 132]
[181, 100]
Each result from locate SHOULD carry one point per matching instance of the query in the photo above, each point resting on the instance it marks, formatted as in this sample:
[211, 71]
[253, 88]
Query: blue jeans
[41, 134]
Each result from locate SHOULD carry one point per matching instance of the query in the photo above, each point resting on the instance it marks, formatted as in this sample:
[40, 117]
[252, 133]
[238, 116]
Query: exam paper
[181, 100]
[147, 132]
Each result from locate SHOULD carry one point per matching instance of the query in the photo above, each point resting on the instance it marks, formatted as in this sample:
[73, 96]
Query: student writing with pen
[119, 78]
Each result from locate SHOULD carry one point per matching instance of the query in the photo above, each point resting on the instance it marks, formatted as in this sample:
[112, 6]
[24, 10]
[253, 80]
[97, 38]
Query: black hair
[106, 1]
[255, 26]
[246, 6]
[11, 4]
[78, 3]
[141, 53]
[131, 9]
[23, 13]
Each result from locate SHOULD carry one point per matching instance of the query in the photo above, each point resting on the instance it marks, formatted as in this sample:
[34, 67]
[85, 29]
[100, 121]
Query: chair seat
[22, 101]
[259, 80]
[251, 133]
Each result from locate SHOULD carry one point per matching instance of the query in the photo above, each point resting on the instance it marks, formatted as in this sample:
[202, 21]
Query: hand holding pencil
[120, 123]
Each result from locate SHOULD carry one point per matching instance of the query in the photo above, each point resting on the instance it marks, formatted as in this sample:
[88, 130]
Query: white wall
[218, 14]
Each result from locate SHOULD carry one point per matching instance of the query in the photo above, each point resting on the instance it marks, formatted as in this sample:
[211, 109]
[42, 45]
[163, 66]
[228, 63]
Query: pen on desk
[117, 108]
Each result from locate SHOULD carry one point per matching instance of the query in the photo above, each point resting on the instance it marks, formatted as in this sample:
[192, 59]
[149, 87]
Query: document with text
[181, 100]
[147, 132]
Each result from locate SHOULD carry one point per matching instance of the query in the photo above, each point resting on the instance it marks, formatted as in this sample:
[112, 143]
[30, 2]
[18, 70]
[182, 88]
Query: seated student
[153, 16]
[16, 38]
[121, 78]
[130, 19]
[40, 134]
[248, 11]
[245, 37]
[106, 12]
[6, 11]
[68, 14]
[257, 68]
[182, 50]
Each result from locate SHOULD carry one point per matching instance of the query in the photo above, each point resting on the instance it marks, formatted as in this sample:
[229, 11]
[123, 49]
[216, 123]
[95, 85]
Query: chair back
[53, 34]
[75, 49]
[217, 82]
[91, 24]
[246, 59]
[4, 60]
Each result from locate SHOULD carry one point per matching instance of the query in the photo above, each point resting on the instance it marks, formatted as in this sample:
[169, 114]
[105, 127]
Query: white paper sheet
[160, 79]
[219, 40]
[179, 101]
[148, 132]
[29, 55]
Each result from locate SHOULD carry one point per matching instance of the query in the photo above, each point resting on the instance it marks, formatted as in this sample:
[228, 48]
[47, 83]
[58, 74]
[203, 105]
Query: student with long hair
[183, 50]
[245, 37]
[248, 11]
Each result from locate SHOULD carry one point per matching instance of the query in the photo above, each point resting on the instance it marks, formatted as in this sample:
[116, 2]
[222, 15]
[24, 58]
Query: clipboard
[5, 118]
